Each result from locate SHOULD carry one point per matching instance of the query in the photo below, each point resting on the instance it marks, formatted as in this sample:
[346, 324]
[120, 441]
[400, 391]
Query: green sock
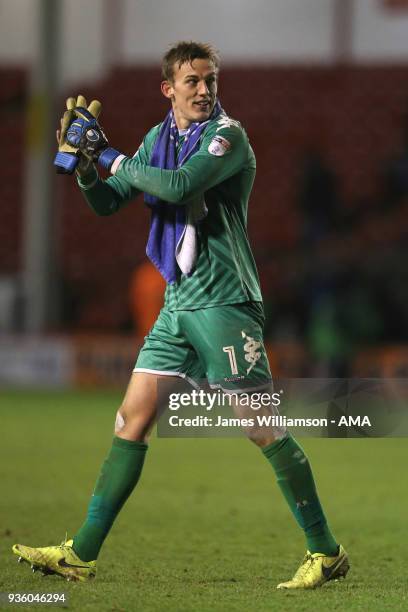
[119, 476]
[296, 482]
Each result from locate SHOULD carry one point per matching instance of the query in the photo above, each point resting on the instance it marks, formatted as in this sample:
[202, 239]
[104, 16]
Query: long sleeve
[202, 172]
[106, 197]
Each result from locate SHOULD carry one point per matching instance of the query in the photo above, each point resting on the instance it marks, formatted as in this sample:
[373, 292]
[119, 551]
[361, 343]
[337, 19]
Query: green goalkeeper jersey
[220, 174]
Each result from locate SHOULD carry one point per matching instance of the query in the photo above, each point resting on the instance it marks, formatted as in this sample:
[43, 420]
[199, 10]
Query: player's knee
[133, 425]
[119, 422]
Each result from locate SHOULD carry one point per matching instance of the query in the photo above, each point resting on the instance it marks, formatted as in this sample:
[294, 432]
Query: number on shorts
[233, 360]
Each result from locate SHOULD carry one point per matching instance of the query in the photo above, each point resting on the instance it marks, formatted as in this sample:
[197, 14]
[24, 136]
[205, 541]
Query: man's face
[192, 91]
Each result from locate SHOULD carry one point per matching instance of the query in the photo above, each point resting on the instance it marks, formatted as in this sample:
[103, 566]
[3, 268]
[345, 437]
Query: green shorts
[222, 344]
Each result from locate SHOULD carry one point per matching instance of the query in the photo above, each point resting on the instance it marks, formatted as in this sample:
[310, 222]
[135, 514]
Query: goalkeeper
[196, 170]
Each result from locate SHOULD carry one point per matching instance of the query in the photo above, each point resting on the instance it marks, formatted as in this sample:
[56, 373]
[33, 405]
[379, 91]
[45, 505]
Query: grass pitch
[206, 528]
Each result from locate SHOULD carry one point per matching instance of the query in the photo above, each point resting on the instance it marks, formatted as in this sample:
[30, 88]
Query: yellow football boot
[60, 560]
[316, 569]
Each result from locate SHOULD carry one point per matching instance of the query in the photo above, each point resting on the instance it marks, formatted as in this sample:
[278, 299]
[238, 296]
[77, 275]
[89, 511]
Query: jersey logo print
[252, 355]
[219, 146]
[226, 122]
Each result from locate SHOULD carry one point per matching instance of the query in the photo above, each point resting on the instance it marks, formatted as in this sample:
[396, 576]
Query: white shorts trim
[169, 373]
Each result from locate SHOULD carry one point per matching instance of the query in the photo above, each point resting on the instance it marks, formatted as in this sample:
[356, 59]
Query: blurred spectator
[146, 293]
[318, 197]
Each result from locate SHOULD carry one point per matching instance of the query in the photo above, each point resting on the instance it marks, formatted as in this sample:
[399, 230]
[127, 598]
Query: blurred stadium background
[321, 88]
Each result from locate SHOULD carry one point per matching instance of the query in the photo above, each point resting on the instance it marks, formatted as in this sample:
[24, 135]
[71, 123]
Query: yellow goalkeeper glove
[68, 157]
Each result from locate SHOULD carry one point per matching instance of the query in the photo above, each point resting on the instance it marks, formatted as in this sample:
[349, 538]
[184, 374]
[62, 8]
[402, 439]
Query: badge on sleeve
[219, 146]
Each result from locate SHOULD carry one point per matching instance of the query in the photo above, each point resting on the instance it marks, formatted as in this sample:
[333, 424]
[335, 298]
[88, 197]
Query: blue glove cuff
[65, 162]
[107, 157]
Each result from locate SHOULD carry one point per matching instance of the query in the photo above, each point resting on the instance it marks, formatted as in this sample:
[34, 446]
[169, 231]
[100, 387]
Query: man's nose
[203, 88]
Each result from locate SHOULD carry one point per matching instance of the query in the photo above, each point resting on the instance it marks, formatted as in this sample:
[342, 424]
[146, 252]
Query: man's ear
[167, 89]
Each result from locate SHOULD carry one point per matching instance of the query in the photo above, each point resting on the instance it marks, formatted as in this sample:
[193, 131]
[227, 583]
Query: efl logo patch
[219, 146]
